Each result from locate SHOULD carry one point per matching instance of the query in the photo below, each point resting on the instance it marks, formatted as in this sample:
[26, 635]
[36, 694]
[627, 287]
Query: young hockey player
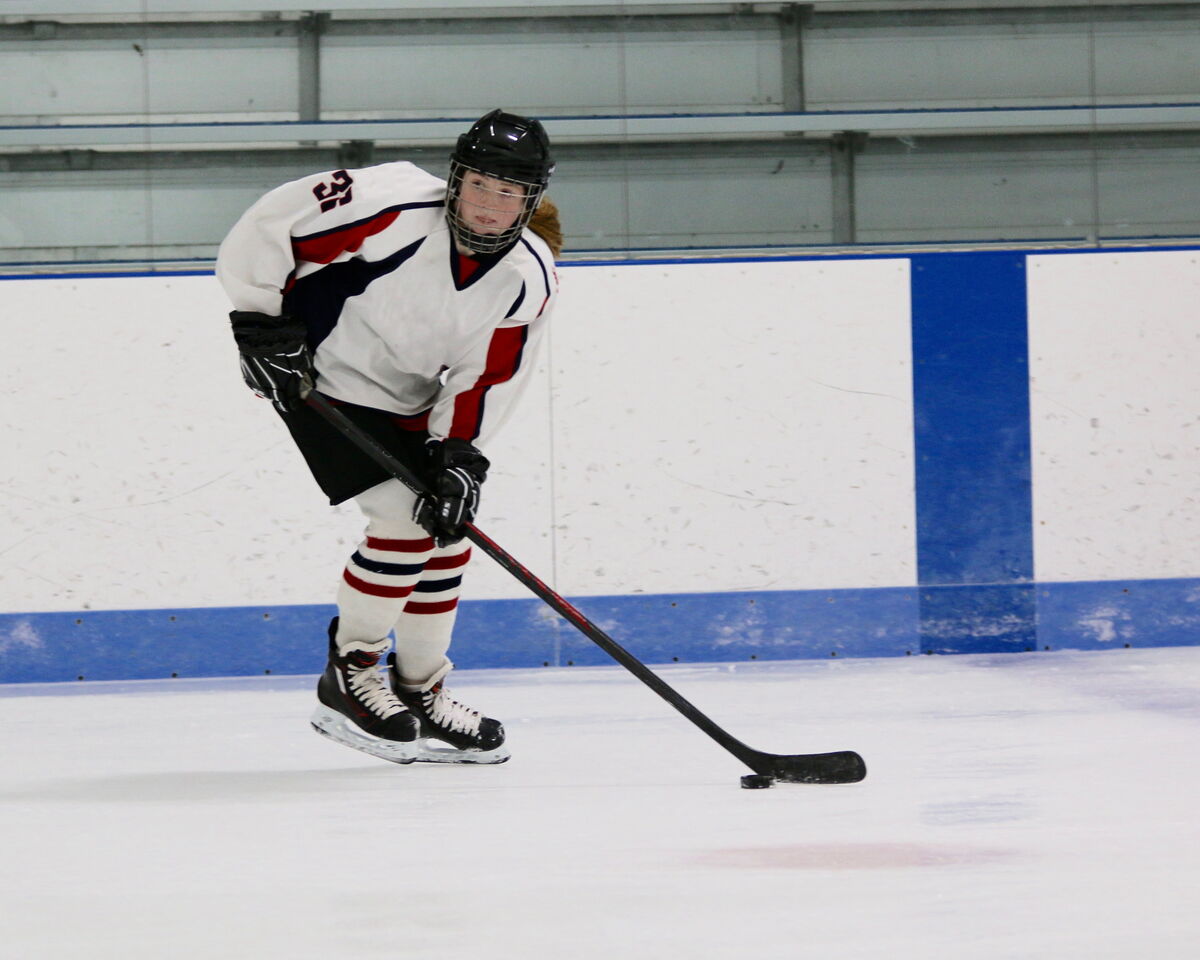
[416, 306]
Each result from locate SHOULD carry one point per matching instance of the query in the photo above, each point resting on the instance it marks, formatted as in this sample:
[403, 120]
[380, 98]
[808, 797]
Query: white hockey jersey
[398, 319]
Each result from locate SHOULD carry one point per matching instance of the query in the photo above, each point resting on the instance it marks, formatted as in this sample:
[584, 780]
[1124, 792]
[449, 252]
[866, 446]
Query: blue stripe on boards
[244, 641]
[150, 644]
[972, 443]
[695, 628]
[1110, 614]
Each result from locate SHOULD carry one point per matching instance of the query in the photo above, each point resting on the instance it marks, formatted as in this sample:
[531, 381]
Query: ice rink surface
[1016, 806]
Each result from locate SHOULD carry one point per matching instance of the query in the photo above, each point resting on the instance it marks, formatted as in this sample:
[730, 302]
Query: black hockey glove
[456, 471]
[275, 360]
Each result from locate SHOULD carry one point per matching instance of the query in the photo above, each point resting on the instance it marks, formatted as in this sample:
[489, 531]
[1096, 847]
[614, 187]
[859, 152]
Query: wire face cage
[495, 196]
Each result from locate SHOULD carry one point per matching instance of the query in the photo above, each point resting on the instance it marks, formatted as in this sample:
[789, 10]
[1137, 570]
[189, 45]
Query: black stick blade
[845, 766]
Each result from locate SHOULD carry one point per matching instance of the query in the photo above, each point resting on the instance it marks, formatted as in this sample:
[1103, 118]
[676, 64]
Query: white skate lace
[449, 714]
[367, 684]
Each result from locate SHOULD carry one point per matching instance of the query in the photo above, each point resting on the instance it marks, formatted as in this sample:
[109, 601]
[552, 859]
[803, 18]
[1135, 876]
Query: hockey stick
[844, 766]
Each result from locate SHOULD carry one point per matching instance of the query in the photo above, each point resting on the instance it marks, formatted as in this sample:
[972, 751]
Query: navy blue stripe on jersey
[516, 303]
[463, 277]
[545, 273]
[398, 208]
[318, 298]
[386, 569]
[438, 586]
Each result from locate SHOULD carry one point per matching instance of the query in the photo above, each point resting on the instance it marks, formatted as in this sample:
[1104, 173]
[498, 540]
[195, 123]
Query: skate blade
[434, 751]
[331, 724]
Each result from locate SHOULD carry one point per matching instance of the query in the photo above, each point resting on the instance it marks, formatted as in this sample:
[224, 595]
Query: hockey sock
[381, 574]
[376, 585]
[424, 628]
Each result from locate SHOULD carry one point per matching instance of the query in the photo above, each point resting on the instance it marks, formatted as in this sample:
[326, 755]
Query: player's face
[488, 205]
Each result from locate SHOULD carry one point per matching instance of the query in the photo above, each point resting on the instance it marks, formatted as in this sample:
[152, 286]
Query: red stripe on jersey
[442, 606]
[326, 247]
[467, 266]
[503, 360]
[424, 545]
[413, 422]
[374, 589]
[448, 563]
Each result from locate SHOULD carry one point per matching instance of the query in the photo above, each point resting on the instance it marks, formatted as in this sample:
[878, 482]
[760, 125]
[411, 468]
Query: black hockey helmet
[507, 147]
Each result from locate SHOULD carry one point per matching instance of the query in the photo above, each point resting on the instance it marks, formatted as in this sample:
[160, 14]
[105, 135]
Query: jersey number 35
[335, 192]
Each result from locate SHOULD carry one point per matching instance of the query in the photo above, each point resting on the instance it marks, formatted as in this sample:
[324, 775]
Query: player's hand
[456, 472]
[276, 362]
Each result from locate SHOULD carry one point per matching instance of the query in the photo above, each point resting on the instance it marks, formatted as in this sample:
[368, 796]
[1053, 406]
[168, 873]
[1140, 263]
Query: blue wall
[971, 430]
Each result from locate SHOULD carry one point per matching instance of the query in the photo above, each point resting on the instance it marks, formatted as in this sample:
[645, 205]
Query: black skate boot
[357, 707]
[473, 737]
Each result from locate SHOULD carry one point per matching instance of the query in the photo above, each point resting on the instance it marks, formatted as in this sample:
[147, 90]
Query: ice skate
[357, 707]
[461, 735]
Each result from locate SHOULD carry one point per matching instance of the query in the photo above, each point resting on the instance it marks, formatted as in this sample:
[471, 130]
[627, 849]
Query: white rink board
[742, 426]
[1114, 349]
[152, 477]
[762, 443]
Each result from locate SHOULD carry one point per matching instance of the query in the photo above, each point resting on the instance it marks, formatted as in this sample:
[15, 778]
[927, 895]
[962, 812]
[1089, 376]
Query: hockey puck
[757, 781]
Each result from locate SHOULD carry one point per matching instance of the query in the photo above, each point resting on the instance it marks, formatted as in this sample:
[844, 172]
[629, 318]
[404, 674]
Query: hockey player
[416, 306]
